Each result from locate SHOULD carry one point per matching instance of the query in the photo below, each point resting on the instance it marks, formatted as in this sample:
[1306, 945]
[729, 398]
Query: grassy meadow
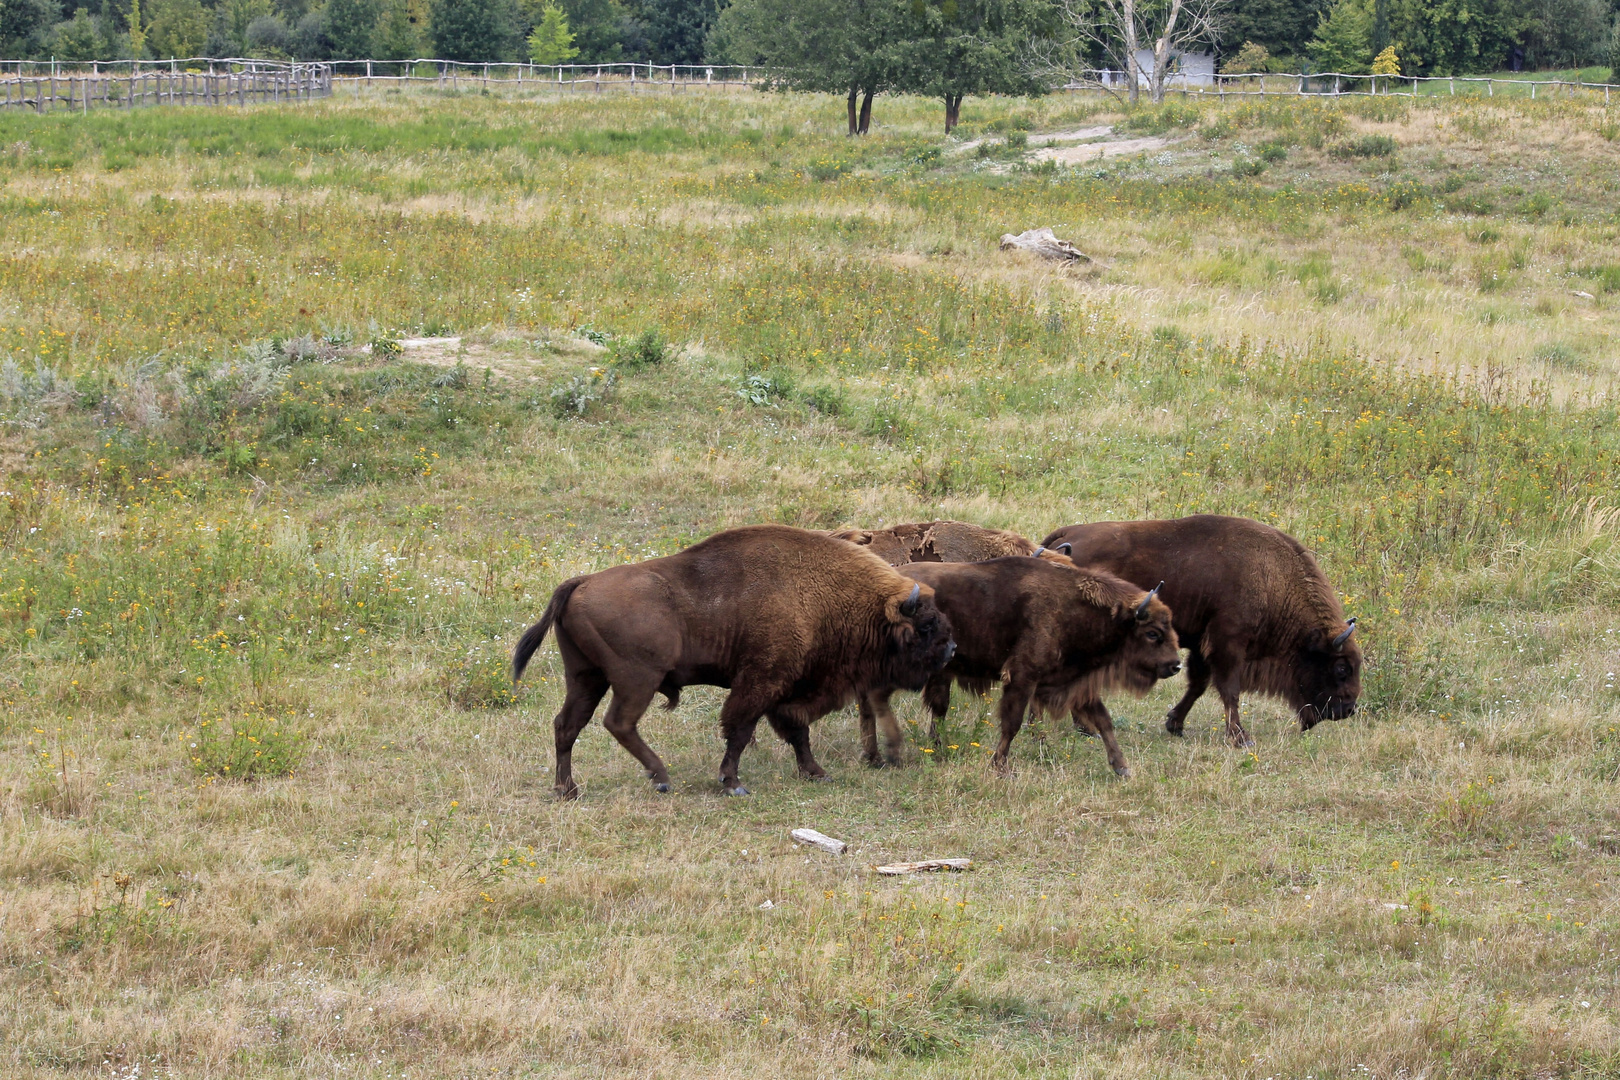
[269, 806]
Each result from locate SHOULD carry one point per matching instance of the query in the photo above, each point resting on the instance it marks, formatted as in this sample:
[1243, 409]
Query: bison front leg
[585, 692]
[797, 735]
[1013, 707]
[867, 714]
[876, 713]
[738, 718]
[1096, 718]
[937, 696]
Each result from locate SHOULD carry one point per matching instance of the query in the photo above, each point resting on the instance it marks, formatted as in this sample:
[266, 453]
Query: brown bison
[1050, 634]
[795, 623]
[941, 541]
[1251, 606]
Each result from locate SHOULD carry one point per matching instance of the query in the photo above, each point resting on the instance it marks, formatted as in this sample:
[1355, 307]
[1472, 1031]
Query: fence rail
[1335, 84]
[132, 84]
[620, 75]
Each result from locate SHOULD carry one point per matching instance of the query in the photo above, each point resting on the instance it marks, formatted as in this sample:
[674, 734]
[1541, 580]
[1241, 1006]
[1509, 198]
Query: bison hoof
[876, 762]
[1123, 772]
[1172, 728]
[818, 778]
[567, 791]
[738, 790]
[662, 787]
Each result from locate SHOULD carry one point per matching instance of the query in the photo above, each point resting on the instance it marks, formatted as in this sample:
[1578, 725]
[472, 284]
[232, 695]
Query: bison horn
[1349, 629]
[1037, 552]
[908, 607]
[1066, 549]
[1141, 609]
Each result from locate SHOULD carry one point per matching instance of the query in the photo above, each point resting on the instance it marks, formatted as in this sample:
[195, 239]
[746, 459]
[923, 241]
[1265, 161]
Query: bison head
[919, 639]
[1327, 676]
[1151, 651]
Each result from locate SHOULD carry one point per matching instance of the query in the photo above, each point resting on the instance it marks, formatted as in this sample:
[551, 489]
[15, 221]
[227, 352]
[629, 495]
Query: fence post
[1490, 87]
[1532, 90]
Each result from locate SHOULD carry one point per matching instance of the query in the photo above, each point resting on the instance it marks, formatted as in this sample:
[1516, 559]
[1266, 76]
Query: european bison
[1251, 606]
[941, 541]
[795, 623]
[1050, 634]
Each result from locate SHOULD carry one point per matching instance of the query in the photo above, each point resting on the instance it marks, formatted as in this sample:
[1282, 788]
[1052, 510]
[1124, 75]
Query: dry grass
[338, 555]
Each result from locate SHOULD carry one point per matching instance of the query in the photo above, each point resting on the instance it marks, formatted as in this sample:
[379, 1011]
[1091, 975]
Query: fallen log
[926, 864]
[820, 840]
[1043, 243]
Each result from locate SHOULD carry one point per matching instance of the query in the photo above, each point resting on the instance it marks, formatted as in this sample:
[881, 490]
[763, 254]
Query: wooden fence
[92, 88]
[1331, 84]
[571, 77]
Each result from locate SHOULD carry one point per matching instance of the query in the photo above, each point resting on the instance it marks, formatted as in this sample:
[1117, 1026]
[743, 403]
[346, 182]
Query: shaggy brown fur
[1251, 606]
[794, 622]
[1050, 635]
[941, 541]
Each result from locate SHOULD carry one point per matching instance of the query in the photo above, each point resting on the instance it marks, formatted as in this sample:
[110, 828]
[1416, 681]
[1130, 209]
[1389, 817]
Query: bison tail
[529, 643]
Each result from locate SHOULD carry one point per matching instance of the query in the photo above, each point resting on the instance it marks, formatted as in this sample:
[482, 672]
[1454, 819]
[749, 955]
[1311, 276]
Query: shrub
[1368, 146]
[764, 389]
[1248, 60]
[576, 396]
[1273, 152]
[646, 349]
[256, 746]
[1244, 166]
[1156, 120]
[481, 678]
[827, 400]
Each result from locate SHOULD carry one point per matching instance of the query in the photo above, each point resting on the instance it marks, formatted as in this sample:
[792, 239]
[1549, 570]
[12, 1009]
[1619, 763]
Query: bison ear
[1065, 549]
[908, 606]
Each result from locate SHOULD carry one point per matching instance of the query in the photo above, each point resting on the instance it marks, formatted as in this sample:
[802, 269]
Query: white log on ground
[1043, 243]
[820, 840]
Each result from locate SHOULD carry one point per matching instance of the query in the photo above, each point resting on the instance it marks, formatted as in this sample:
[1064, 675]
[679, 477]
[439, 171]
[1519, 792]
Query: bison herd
[797, 623]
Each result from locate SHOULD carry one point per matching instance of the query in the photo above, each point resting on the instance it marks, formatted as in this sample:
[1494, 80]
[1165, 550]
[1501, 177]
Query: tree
[1249, 60]
[267, 36]
[551, 42]
[1387, 62]
[851, 47]
[679, 28]
[78, 38]
[350, 27]
[1283, 27]
[598, 28]
[954, 48]
[399, 32]
[178, 29]
[472, 29]
[1343, 41]
[1118, 27]
[25, 23]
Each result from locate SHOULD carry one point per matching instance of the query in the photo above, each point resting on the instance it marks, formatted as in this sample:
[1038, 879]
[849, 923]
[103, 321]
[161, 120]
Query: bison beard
[795, 623]
[1050, 634]
[1251, 606]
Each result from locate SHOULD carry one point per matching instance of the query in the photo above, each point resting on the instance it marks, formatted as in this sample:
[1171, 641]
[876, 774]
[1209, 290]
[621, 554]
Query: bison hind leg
[672, 697]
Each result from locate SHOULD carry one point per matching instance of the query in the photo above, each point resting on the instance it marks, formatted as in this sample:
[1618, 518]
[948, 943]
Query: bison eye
[1154, 636]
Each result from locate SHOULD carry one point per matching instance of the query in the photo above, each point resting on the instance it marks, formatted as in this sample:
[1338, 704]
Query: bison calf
[1050, 634]
[1252, 607]
[795, 623]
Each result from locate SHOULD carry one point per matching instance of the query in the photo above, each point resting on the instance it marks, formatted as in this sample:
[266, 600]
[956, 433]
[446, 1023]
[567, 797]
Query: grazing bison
[1050, 634]
[795, 623]
[941, 541]
[1251, 606]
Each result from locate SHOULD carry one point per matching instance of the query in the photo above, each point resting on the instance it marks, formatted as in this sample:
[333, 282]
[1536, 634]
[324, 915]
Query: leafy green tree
[267, 36]
[679, 28]
[953, 48]
[598, 28]
[551, 42]
[25, 24]
[77, 39]
[178, 29]
[350, 27]
[1283, 27]
[399, 33]
[1250, 59]
[1614, 53]
[473, 29]
[1343, 41]
[851, 47]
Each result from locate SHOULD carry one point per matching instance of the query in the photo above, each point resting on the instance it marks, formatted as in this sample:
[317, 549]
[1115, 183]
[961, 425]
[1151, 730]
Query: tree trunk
[866, 112]
[1161, 52]
[853, 129]
[953, 111]
[1132, 72]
